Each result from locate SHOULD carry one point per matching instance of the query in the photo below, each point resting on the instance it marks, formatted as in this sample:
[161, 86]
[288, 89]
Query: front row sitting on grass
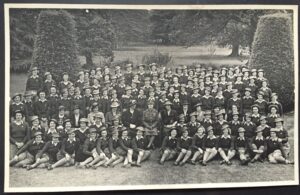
[104, 151]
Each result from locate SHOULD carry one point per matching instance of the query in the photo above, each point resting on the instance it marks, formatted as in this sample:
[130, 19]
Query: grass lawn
[152, 172]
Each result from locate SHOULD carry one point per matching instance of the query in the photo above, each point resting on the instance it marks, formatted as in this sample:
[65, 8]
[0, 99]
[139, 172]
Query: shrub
[55, 48]
[272, 50]
[157, 57]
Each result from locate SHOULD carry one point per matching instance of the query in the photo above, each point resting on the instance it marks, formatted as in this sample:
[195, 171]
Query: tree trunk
[235, 50]
[89, 59]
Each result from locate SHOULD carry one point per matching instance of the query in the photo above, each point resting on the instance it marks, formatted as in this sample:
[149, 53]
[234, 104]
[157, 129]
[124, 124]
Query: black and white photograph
[116, 97]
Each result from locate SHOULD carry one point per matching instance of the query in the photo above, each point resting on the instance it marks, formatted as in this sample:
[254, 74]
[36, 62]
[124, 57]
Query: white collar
[185, 138]
[171, 138]
[139, 138]
[259, 138]
[223, 136]
[18, 123]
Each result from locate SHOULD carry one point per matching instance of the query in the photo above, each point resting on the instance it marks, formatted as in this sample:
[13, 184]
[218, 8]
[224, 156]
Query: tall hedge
[55, 46]
[273, 51]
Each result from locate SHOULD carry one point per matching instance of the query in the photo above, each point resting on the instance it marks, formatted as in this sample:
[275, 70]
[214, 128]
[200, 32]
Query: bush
[55, 48]
[157, 57]
[272, 50]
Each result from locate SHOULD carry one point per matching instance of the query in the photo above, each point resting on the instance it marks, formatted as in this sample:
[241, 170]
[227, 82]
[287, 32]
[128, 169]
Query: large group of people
[110, 115]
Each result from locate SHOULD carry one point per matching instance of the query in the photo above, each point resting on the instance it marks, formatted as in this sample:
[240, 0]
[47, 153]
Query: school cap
[67, 120]
[241, 130]
[37, 133]
[98, 115]
[207, 112]
[277, 120]
[274, 94]
[16, 94]
[55, 135]
[262, 118]
[273, 130]
[72, 130]
[255, 105]
[199, 104]
[76, 107]
[168, 103]
[193, 114]
[259, 129]
[185, 102]
[127, 88]
[34, 68]
[235, 113]
[210, 128]
[92, 130]
[248, 89]
[114, 104]
[225, 126]
[27, 93]
[181, 116]
[54, 120]
[33, 118]
[140, 128]
[47, 73]
[260, 70]
[128, 65]
[83, 120]
[273, 106]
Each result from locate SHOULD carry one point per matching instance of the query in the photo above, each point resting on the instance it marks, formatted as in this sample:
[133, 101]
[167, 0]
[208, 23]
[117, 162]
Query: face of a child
[173, 133]
[71, 135]
[35, 122]
[52, 124]
[68, 125]
[38, 138]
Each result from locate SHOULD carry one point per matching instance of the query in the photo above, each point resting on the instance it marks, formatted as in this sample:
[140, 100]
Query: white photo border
[8, 6]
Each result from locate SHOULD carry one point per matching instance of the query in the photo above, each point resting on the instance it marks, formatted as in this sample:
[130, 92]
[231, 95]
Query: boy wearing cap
[184, 144]
[48, 154]
[210, 146]
[226, 146]
[66, 156]
[27, 154]
[283, 137]
[34, 82]
[258, 146]
[242, 146]
[141, 150]
[274, 149]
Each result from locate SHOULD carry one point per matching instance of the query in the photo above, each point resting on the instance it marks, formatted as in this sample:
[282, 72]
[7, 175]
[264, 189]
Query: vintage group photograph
[154, 97]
